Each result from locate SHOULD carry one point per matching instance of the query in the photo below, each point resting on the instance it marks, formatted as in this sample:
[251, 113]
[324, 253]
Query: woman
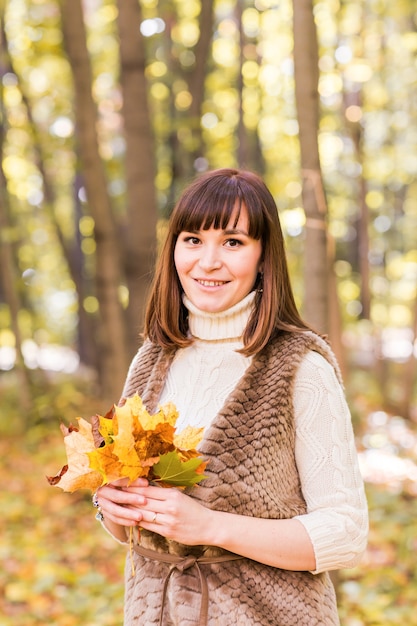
[283, 501]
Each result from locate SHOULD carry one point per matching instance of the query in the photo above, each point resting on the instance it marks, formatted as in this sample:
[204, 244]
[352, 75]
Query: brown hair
[210, 200]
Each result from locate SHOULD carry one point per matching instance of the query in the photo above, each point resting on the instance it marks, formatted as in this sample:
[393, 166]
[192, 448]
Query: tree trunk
[196, 80]
[111, 332]
[249, 151]
[318, 255]
[243, 148]
[140, 248]
[362, 222]
[316, 301]
[8, 275]
[71, 251]
[183, 159]
[335, 317]
[409, 378]
[9, 280]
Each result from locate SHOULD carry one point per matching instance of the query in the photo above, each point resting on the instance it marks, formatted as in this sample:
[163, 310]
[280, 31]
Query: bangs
[216, 213]
[218, 203]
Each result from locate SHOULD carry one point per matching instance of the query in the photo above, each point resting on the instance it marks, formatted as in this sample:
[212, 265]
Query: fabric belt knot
[186, 563]
[181, 564]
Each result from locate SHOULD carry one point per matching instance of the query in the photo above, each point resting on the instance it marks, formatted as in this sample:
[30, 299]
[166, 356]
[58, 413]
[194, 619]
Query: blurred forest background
[108, 108]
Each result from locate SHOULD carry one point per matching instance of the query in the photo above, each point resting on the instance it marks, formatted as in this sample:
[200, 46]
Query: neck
[229, 324]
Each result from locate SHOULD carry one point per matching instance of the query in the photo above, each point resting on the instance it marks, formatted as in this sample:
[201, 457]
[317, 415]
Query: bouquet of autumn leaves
[130, 443]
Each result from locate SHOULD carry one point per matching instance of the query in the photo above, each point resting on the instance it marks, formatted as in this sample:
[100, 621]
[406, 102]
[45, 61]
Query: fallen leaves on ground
[58, 566]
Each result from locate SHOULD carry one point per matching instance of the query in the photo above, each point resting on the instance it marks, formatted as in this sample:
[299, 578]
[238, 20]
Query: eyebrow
[235, 231]
[227, 231]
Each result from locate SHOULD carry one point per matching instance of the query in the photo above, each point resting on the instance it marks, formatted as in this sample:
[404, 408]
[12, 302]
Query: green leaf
[171, 470]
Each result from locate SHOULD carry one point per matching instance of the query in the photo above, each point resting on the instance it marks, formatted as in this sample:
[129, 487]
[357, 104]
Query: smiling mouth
[212, 283]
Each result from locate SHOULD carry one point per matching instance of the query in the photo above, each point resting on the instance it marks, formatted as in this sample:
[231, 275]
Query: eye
[192, 240]
[233, 243]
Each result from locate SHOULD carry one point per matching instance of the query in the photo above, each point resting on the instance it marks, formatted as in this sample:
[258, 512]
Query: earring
[260, 280]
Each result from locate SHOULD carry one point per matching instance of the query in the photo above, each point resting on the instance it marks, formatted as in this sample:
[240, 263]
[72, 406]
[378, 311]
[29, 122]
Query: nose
[210, 258]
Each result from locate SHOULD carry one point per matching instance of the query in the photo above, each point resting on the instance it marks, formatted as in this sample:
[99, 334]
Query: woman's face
[217, 268]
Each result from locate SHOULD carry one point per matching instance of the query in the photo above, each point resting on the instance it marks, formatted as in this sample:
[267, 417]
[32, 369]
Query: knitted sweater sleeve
[337, 514]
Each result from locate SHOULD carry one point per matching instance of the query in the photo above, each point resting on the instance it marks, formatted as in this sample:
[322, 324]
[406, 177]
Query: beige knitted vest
[251, 471]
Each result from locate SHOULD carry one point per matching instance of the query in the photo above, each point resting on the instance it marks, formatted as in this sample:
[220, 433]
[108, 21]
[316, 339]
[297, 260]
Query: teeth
[211, 283]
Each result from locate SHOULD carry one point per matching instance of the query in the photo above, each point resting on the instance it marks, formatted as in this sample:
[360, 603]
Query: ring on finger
[153, 520]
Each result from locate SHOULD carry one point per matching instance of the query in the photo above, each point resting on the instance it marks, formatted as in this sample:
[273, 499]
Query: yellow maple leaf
[125, 425]
[132, 405]
[104, 460]
[167, 414]
[189, 438]
[106, 428]
[79, 443]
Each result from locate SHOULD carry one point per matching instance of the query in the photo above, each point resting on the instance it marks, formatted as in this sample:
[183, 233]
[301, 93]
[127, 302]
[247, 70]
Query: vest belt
[181, 564]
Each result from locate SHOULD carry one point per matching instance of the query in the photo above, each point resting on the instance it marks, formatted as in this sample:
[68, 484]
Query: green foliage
[172, 470]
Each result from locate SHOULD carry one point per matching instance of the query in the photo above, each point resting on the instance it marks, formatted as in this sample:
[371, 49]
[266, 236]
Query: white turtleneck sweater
[198, 383]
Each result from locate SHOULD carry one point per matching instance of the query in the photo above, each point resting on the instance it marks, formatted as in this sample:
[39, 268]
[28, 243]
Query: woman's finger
[121, 495]
[118, 505]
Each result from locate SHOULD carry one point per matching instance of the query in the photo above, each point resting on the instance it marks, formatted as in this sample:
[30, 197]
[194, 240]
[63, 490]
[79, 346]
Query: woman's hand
[168, 512]
[119, 505]
[171, 513]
